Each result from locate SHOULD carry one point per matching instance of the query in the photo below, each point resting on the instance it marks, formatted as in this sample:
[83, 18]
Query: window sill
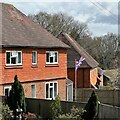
[50, 98]
[51, 65]
[14, 67]
[34, 66]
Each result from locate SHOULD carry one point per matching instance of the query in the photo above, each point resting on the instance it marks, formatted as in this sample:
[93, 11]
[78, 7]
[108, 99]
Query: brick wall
[40, 88]
[0, 65]
[27, 72]
[1, 90]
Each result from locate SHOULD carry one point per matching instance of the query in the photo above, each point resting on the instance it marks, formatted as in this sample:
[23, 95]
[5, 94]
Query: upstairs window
[34, 57]
[13, 57]
[51, 57]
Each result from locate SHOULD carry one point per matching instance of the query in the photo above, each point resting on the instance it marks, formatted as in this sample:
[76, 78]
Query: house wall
[40, 89]
[1, 90]
[1, 66]
[93, 75]
[83, 77]
[39, 75]
[27, 72]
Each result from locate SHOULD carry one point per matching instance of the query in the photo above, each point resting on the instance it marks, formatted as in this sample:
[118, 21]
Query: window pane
[51, 84]
[52, 54]
[19, 57]
[47, 91]
[47, 57]
[55, 89]
[33, 90]
[51, 92]
[8, 57]
[56, 58]
[51, 59]
[6, 92]
[34, 59]
[13, 60]
[14, 53]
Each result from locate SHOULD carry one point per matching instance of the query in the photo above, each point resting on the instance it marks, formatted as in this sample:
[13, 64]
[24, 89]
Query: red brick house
[87, 74]
[37, 57]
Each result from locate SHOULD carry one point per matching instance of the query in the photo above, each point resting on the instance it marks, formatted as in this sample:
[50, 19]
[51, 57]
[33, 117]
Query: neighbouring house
[87, 74]
[106, 80]
[37, 57]
[100, 76]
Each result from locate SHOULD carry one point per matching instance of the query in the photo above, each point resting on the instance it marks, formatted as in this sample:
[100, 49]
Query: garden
[14, 108]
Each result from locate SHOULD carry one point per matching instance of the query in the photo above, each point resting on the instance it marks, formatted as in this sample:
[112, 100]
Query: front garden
[15, 107]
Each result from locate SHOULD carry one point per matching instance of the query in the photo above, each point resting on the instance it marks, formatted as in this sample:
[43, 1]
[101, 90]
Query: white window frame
[7, 87]
[35, 56]
[52, 56]
[11, 51]
[49, 90]
[32, 91]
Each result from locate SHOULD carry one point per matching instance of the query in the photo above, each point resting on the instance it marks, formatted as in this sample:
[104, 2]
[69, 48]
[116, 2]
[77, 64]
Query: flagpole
[77, 65]
[75, 83]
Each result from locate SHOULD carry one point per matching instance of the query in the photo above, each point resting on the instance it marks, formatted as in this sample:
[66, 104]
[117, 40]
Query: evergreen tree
[91, 107]
[17, 97]
[55, 108]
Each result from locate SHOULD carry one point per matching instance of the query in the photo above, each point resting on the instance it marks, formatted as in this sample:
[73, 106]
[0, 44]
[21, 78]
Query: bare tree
[61, 22]
[102, 48]
[106, 50]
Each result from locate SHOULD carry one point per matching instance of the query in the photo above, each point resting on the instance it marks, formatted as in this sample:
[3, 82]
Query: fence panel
[111, 97]
[42, 107]
[108, 112]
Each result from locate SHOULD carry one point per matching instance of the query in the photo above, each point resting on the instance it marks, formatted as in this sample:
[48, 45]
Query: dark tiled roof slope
[19, 30]
[76, 51]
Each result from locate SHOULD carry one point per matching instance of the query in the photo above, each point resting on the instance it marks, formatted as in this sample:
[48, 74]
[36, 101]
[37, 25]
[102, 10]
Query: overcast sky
[101, 17]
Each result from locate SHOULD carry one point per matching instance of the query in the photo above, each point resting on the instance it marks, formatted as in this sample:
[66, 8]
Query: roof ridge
[78, 48]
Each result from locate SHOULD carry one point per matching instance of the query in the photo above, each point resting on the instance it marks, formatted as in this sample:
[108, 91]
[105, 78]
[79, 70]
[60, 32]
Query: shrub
[75, 114]
[5, 112]
[55, 108]
[17, 97]
[91, 107]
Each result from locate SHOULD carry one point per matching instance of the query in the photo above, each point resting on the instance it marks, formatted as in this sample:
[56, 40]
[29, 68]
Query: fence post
[98, 112]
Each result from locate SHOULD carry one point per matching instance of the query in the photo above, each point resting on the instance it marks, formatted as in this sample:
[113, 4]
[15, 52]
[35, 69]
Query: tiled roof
[76, 51]
[69, 82]
[100, 71]
[19, 30]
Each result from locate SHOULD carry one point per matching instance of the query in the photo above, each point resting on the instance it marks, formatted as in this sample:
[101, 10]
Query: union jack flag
[78, 63]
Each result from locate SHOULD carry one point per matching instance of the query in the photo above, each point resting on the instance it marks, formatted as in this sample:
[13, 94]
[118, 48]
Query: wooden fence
[108, 112]
[42, 107]
[111, 97]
